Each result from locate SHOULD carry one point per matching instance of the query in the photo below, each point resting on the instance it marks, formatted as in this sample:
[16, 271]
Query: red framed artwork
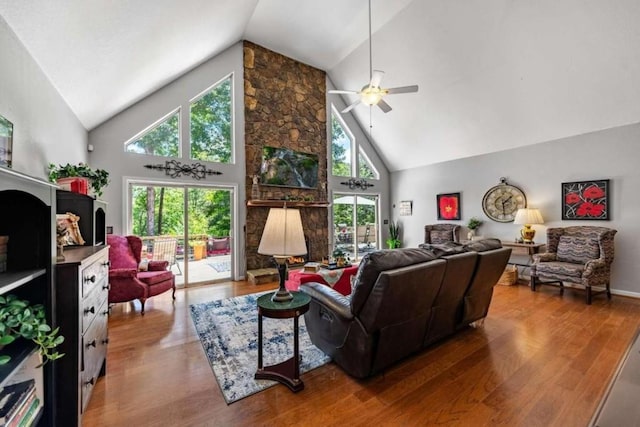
[586, 200]
[448, 206]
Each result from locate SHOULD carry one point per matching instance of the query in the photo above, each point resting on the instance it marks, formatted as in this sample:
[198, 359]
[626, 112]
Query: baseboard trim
[601, 288]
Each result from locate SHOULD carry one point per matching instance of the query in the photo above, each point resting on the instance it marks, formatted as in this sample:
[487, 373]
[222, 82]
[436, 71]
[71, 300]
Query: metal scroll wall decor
[361, 184]
[175, 169]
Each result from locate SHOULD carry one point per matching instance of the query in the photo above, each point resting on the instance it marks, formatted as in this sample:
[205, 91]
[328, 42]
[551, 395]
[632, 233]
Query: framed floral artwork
[448, 206]
[586, 200]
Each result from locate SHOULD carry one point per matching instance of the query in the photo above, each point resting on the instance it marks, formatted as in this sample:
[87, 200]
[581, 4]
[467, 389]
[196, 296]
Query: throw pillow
[441, 236]
[144, 265]
[577, 249]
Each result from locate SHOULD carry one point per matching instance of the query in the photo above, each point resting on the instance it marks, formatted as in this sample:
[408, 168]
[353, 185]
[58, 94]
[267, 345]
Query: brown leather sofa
[402, 301]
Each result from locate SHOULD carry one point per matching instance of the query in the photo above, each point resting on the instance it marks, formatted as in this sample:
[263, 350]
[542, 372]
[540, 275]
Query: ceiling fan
[372, 93]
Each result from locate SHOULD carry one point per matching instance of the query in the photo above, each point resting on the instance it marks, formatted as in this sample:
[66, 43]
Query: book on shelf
[13, 397]
[27, 415]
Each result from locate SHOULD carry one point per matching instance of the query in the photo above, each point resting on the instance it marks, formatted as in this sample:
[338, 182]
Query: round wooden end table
[287, 372]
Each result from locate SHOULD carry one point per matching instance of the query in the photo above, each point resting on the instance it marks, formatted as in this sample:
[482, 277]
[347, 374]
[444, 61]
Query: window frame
[177, 111]
[199, 96]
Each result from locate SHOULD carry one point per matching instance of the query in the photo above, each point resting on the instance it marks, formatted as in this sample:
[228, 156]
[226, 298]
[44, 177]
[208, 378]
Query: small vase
[470, 234]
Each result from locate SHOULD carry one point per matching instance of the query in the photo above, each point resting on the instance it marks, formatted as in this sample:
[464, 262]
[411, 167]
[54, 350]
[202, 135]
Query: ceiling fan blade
[402, 89]
[352, 106]
[384, 106]
[376, 78]
[343, 91]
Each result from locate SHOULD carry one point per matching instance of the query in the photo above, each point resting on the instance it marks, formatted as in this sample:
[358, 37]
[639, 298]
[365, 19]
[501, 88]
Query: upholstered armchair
[441, 233]
[128, 278]
[581, 255]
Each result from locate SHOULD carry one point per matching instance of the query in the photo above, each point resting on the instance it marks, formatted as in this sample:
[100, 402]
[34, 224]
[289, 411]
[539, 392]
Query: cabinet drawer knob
[91, 310]
[91, 278]
[106, 263]
[92, 381]
[92, 343]
[106, 287]
[105, 341]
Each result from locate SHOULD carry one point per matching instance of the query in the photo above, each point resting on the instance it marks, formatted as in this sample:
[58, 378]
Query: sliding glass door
[190, 227]
[355, 221]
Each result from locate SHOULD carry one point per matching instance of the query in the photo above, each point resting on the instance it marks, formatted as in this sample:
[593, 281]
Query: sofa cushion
[483, 245]
[373, 263]
[154, 277]
[443, 249]
[577, 249]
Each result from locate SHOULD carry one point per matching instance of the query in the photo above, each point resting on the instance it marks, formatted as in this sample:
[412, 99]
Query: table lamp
[282, 237]
[526, 217]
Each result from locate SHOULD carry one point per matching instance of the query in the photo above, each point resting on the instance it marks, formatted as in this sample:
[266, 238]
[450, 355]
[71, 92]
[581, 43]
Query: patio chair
[165, 249]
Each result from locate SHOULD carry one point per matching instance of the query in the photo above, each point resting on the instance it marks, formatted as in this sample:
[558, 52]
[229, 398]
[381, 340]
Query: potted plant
[99, 178]
[472, 225]
[20, 319]
[340, 257]
[393, 241]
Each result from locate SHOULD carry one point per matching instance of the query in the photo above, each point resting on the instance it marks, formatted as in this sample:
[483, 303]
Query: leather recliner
[402, 301]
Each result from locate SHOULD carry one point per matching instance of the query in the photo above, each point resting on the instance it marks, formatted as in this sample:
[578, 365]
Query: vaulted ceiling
[493, 74]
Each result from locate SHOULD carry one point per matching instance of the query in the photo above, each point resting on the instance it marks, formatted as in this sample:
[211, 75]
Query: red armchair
[127, 280]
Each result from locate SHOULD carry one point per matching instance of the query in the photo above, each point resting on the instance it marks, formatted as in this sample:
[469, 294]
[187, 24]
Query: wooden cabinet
[26, 216]
[82, 310]
[92, 215]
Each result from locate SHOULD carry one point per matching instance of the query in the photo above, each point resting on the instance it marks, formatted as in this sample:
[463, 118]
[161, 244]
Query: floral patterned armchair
[580, 254]
[130, 279]
[441, 233]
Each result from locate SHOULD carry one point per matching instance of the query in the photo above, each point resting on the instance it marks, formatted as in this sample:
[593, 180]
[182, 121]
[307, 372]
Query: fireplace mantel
[289, 203]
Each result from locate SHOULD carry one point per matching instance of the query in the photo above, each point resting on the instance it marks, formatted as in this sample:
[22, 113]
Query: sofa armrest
[544, 257]
[591, 267]
[158, 265]
[123, 273]
[333, 300]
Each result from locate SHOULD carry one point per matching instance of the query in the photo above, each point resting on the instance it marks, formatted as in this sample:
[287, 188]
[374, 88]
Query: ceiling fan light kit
[371, 93]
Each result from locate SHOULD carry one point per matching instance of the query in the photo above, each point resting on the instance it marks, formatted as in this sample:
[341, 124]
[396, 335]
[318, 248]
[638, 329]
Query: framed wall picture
[586, 200]
[448, 206]
[6, 141]
[405, 208]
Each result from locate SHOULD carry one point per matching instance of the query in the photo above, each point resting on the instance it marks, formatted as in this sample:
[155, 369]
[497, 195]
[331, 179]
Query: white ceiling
[493, 74]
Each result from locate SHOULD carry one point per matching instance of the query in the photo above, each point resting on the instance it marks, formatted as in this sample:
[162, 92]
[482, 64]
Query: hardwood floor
[539, 360]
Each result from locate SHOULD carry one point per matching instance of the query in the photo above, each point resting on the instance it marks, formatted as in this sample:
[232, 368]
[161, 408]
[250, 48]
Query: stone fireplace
[285, 106]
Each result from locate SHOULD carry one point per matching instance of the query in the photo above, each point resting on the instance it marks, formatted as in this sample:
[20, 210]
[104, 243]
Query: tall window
[341, 147]
[211, 124]
[365, 167]
[160, 139]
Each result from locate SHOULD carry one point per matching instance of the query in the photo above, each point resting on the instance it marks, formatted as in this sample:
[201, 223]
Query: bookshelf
[27, 217]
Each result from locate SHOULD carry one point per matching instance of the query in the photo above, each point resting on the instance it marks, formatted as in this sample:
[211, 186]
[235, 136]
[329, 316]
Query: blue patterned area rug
[228, 331]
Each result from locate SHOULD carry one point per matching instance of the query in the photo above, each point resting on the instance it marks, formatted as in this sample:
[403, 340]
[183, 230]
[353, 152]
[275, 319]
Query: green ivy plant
[394, 241]
[20, 319]
[99, 178]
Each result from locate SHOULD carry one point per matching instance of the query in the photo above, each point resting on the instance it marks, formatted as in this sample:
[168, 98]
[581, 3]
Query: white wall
[108, 139]
[381, 186]
[45, 130]
[539, 171]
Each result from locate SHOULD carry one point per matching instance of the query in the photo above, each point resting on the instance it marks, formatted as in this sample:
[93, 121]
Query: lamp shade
[528, 216]
[283, 235]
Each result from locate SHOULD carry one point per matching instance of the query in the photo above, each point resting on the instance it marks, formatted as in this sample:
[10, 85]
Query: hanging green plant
[99, 178]
[20, 319]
